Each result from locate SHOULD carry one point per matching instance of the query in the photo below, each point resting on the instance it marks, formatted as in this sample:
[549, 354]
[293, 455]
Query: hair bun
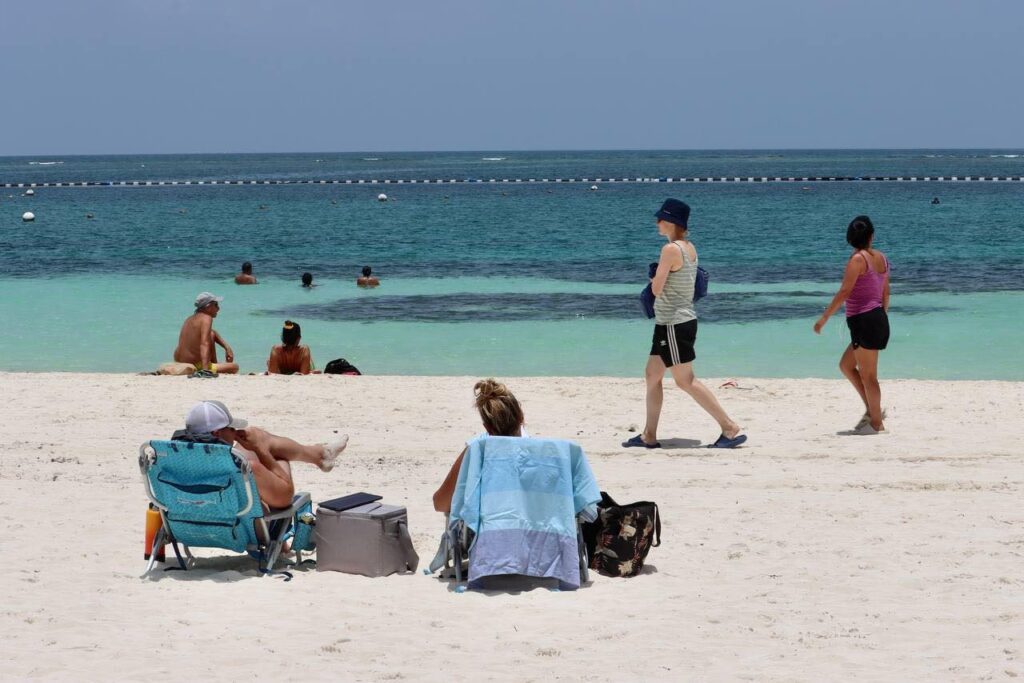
[499, 410]
[489, 389]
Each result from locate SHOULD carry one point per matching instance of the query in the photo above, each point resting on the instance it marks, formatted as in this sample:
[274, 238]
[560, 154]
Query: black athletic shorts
[674, 343]
[869, 330]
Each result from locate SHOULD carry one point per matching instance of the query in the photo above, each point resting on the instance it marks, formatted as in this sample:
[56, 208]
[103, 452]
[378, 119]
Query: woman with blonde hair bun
[501, 415]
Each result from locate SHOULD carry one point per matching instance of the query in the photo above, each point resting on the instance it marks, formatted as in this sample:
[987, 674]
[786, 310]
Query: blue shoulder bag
[700, 284]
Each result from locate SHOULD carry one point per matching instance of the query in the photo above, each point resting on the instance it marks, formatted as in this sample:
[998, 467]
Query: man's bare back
[197, 340]
[195, 332]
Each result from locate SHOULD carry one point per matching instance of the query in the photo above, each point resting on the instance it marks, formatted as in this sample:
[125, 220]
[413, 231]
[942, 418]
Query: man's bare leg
[323, 456]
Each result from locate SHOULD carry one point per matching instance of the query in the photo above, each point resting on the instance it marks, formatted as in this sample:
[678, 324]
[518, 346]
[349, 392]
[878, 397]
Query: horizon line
[522, 150]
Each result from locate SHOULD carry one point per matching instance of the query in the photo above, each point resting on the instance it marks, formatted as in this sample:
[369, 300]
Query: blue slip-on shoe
[725, 442]
[638, 442]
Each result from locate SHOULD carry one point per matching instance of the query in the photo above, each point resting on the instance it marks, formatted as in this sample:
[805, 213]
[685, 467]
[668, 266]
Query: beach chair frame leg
[584, 560]
[158, 542]
[277, 532]
[456, 552]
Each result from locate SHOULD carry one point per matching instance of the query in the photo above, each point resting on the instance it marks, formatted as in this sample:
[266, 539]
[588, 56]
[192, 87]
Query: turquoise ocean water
[508, 279]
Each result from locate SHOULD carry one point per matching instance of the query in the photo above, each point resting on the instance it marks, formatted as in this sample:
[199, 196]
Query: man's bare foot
[733, 431]
[331, 453]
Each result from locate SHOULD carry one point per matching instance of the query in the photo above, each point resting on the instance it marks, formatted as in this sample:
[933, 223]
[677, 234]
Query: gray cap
[204, 299]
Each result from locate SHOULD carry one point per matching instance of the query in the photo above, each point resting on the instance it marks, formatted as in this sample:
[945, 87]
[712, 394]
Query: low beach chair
[517, 510]
[207, 498]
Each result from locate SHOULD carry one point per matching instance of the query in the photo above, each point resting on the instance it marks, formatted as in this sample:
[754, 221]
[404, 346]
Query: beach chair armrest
[298, 501]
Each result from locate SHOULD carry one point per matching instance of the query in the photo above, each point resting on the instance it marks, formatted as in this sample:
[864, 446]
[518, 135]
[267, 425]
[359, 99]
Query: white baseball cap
[209, 416]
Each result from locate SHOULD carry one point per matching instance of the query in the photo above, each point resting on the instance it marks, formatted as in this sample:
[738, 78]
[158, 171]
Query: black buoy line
[505, 181]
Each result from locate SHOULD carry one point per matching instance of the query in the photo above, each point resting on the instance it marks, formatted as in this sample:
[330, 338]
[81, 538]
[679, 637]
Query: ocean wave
[1003, 156]
[493, 158]
[371, 158]
[44, 163]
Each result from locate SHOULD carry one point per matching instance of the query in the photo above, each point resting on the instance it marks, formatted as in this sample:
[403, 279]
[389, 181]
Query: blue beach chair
[207, 498]
[517, 509]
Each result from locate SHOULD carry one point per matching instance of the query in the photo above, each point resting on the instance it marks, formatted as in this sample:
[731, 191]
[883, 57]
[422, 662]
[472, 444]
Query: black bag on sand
[620, 538]
[340, 366]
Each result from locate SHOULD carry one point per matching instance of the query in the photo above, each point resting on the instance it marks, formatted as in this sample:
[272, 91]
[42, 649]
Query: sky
[179, 76]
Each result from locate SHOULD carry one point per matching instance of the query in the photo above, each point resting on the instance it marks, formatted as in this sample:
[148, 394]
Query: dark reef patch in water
[737, 307]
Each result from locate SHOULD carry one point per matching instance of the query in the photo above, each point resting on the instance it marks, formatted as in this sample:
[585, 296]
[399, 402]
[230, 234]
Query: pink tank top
[867, 291]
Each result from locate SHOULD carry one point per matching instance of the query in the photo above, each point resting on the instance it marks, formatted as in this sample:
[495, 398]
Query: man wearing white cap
[197, 339]
[269, 454]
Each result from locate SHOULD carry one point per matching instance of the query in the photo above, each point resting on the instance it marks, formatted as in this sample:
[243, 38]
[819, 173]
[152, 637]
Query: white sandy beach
[803, 556]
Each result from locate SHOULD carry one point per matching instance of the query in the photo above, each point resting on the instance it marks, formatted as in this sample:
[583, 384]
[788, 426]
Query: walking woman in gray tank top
[675, 331]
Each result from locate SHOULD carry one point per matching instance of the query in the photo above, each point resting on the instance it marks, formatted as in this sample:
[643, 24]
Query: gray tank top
[675, 305]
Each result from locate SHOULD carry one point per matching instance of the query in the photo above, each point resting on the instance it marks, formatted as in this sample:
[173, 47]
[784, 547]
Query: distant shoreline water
[516, 278]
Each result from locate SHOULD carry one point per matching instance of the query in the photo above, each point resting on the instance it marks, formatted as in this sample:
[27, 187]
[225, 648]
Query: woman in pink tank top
[865, 290]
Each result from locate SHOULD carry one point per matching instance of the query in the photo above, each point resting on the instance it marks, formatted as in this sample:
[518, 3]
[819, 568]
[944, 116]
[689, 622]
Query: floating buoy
[593, 188]
[28, 216]
[29, 192]
[382, 197]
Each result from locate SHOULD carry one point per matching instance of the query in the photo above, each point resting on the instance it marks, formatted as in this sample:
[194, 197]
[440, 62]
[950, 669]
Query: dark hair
[500, 411]
[859, 233]
[290, 333]
[366, 271]
[246, 267]
[307, 279]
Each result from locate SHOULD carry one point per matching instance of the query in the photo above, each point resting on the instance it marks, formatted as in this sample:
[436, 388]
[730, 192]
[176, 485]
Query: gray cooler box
[372, 540]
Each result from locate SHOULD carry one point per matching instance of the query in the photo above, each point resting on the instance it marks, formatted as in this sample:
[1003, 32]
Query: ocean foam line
[476, 181]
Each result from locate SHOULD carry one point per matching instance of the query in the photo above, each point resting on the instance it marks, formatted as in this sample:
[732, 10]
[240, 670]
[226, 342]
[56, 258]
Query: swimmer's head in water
[247, 268]
[291, 333]
[307, 279]
[366, 271]
[859, 232]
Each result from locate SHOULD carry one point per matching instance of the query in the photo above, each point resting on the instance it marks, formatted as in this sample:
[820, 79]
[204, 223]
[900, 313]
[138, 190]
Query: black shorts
[674, 343]
[869, 330]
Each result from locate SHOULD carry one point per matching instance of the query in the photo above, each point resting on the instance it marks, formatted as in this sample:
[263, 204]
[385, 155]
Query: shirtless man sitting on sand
[270, 455]
[196, 342]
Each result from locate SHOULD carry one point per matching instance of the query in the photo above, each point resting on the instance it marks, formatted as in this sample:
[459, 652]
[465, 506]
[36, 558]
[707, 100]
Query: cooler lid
[375, 511]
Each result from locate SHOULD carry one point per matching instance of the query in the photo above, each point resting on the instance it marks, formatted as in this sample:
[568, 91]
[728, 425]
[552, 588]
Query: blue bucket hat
[674, 211]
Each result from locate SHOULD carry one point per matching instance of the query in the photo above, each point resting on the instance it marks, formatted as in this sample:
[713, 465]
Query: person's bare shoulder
[671, 252]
